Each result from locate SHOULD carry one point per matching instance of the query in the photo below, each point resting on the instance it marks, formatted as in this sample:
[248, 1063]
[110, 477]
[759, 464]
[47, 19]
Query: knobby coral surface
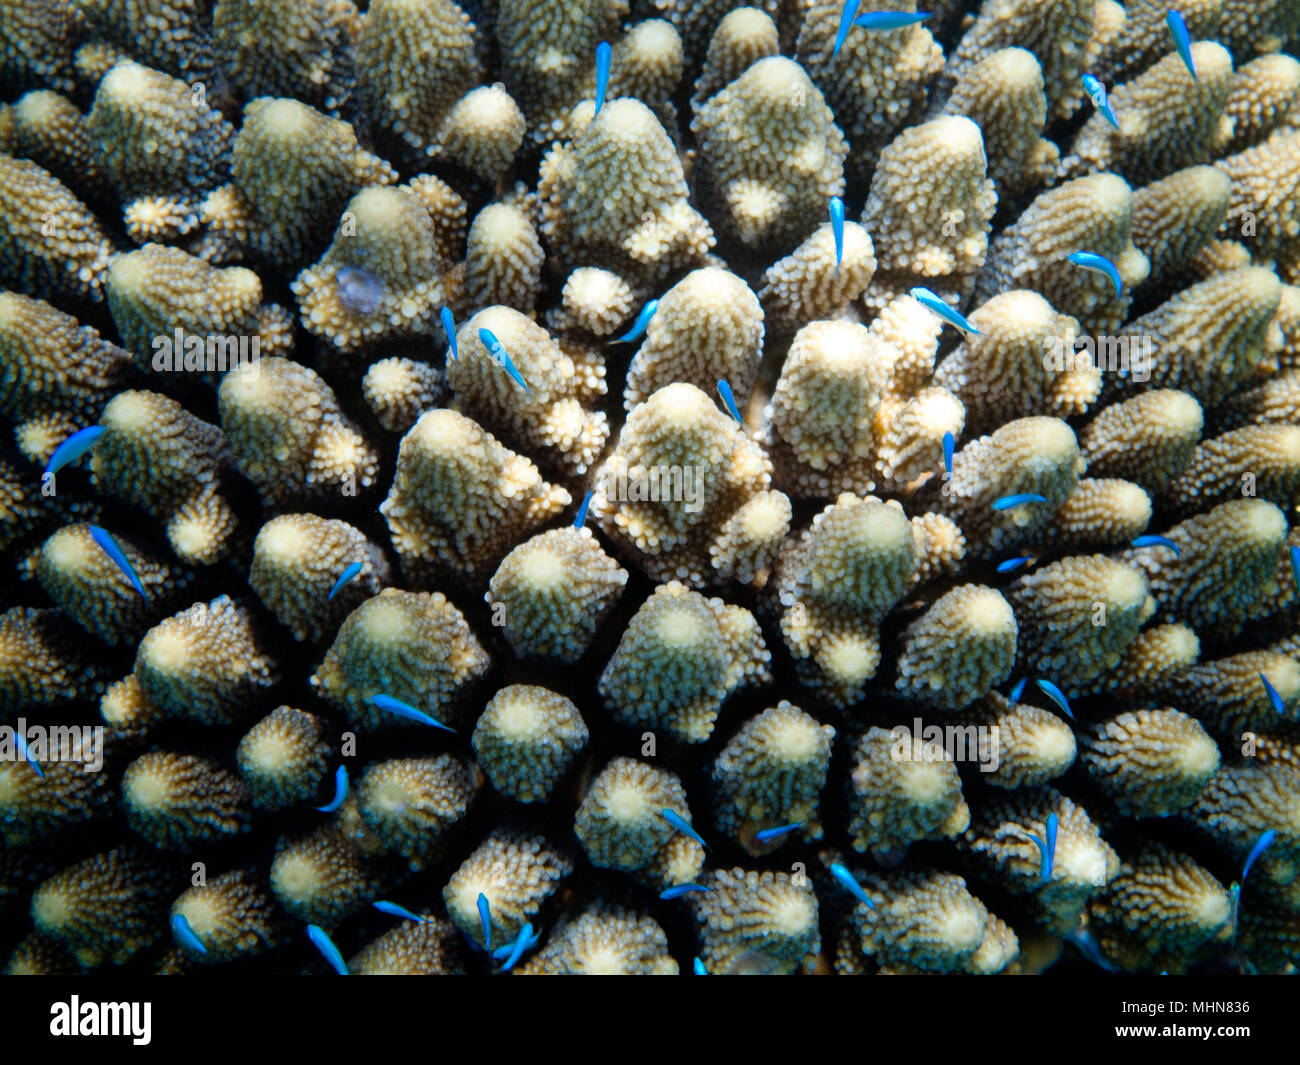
[623, 519]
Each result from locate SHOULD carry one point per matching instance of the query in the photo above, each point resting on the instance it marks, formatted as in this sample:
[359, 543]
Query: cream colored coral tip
[283, 540]
[654, 37]
[986, 611]
[1178, 412]
[957, 132]
[746, 23]
[127, 82]
[775, 77]
[544, 569]
[287, 117]
[33, 108]
[1016, 65]
[501, 223]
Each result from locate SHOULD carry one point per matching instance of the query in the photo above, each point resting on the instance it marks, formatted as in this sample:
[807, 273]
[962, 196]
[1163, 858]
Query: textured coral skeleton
[661, 510]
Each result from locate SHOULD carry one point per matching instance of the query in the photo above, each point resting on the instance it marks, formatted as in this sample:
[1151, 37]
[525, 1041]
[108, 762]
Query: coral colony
[650, 486]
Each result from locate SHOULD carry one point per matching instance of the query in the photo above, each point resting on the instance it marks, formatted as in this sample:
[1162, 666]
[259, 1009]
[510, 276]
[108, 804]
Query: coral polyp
[649, 487]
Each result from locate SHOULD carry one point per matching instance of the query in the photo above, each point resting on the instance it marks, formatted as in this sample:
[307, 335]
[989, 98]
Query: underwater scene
[649, 487]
